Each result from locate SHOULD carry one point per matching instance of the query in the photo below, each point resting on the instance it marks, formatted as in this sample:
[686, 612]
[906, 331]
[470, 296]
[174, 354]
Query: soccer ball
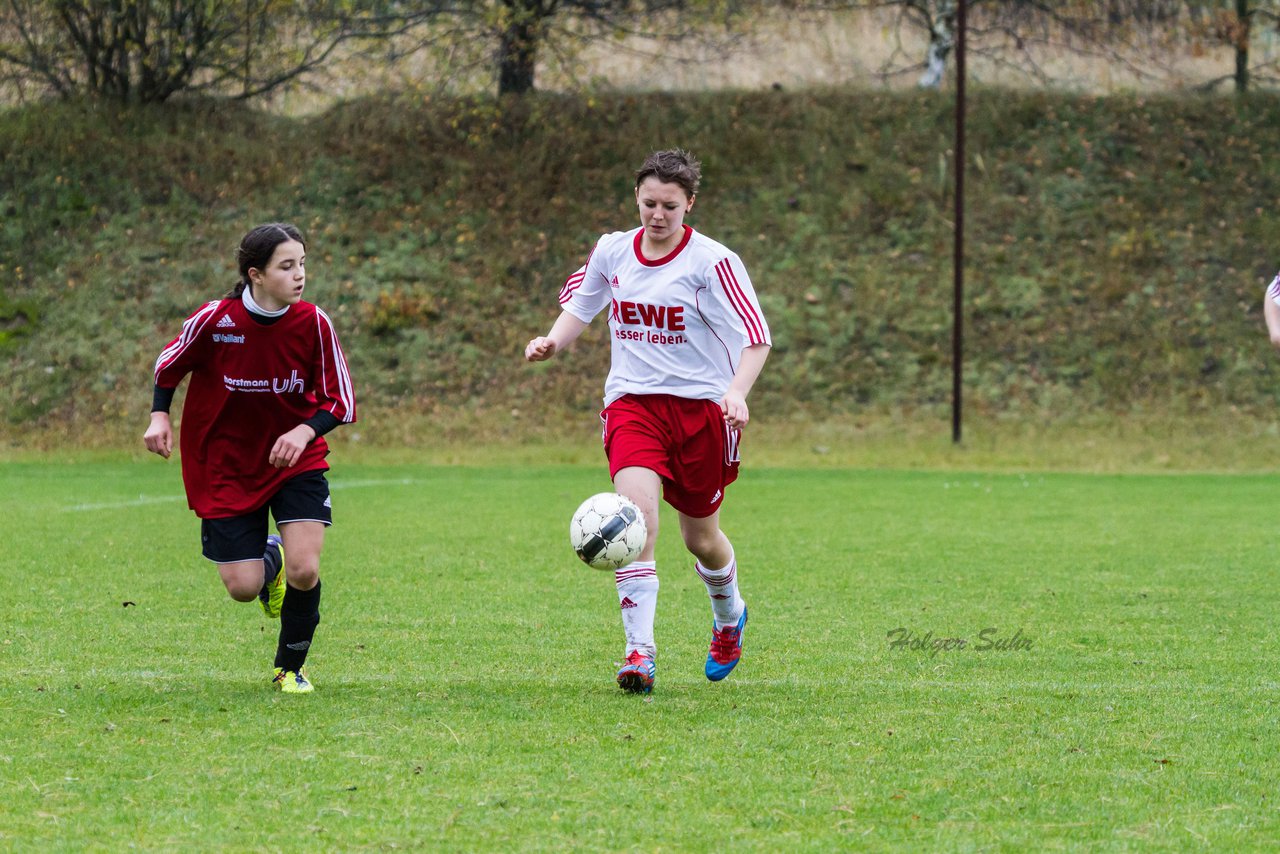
[607, 531]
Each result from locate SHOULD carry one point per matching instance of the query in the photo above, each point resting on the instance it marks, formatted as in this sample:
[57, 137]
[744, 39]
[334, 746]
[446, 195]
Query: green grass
[465, 669]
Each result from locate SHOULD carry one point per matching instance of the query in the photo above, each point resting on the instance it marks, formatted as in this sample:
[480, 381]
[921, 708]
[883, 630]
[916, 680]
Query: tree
[1007, 31]
[148, 50]
[1242, 45]
[522, 25]
[525, 26]
[1237, 28]
[940, 20]
[1140, 35]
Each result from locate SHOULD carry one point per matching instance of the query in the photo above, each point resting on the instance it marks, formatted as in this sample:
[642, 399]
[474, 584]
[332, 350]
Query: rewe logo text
[668, 317]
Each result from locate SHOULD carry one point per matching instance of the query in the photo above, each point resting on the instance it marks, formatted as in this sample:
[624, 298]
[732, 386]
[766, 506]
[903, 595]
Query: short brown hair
[674, 166]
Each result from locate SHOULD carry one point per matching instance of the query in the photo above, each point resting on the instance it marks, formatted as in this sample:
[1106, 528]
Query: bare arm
[734, 402]
[1271, 312]
[563, 332]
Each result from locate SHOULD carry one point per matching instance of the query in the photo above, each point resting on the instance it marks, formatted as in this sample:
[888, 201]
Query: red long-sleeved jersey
[251, 383]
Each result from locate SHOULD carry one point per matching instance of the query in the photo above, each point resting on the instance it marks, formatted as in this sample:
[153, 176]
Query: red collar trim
[684, 241]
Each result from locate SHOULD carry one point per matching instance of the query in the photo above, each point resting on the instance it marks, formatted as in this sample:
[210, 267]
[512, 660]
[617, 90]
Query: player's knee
[242, 591]
[701, 543]
[302, 575]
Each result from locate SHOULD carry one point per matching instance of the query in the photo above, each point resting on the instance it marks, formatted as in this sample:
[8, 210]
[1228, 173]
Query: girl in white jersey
[1271, 311]
[688, 342]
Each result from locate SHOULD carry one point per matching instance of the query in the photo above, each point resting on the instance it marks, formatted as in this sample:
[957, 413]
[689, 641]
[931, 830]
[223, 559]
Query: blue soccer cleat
[636, 676]
[726, 648]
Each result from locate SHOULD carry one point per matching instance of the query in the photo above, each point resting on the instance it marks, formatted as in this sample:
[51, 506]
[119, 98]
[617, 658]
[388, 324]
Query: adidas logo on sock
[627, 603]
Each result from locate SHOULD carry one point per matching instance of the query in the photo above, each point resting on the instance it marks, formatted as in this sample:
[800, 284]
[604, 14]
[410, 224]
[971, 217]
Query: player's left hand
[734, 407]
[288, 448]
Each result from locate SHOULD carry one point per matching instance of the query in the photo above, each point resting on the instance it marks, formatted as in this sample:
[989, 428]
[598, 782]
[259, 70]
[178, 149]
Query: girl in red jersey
[268, 380]
[688, 342]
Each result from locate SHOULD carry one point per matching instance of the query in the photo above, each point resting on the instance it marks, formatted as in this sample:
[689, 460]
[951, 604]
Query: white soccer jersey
[678, 325]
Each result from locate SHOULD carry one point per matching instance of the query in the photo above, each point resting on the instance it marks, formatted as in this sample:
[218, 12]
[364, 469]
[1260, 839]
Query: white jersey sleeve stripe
[190, 330]
[1273, 290]
[346, 394]
[344, 374]
[741, 304]
[324, 367]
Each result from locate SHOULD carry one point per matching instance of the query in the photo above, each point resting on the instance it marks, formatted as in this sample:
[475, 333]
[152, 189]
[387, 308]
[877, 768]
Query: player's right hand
[539, 349]
[159, 436]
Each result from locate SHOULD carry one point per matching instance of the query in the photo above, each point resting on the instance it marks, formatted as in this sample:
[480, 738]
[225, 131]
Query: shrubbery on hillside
[1116, 256]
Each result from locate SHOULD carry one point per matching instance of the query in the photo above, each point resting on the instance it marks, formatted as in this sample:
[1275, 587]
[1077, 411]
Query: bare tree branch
[1134, 34]
[149, 50]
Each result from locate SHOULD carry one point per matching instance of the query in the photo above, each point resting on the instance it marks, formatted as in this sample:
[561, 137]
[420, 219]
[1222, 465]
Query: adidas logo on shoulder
[226, 322]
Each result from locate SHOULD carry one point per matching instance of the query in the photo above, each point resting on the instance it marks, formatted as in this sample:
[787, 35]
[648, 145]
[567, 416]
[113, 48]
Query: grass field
[465, 666]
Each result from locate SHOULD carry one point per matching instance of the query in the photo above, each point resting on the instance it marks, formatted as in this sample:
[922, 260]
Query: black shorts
[304, 498]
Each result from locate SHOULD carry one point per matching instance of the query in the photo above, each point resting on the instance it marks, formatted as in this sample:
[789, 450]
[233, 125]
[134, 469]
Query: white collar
[253, 307]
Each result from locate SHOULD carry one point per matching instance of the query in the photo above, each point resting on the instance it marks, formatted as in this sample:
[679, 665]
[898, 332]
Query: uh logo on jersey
[292, 384]
[642, 321]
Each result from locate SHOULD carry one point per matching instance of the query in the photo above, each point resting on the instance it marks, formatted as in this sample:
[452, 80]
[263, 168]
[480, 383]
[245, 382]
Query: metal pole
[957, 261]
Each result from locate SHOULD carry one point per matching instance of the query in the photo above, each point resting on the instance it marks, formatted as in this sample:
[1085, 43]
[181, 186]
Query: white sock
[722, 587]
[637, 584]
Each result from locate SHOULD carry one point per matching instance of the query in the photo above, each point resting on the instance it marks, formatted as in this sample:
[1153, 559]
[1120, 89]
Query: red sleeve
[332, 380]
[182, 353]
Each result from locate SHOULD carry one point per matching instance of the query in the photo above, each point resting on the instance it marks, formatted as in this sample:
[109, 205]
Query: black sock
[271, 559]
[299, 616]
